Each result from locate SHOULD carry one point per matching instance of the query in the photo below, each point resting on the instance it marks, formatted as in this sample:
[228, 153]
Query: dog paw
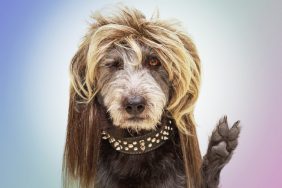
[223, 142]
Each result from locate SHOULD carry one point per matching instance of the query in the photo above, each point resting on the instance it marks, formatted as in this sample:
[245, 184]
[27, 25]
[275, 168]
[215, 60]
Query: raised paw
[223, 140]
[222, 143]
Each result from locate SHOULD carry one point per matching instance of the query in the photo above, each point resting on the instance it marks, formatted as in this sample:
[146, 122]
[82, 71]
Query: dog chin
[138, 124]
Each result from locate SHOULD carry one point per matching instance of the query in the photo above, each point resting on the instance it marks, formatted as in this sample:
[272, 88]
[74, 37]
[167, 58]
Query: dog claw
[234, 131]
[223, 127]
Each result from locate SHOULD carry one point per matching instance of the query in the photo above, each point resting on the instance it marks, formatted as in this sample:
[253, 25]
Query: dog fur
[125, 56]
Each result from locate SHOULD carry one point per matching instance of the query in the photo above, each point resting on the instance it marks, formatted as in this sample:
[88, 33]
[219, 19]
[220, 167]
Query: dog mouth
[135, 119]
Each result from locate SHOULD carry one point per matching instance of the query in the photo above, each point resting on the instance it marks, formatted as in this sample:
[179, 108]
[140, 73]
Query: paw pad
[220, 149]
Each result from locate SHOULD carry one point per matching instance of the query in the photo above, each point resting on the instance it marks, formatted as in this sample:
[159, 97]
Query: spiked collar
[140, 144]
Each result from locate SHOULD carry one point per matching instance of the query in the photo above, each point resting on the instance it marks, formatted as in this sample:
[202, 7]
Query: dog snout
[134, 105]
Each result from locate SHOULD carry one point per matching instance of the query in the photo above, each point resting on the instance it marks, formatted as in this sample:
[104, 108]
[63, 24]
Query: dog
[134, 85]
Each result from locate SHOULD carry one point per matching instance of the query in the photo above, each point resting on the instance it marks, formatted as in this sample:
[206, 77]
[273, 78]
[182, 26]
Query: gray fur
[129, 78]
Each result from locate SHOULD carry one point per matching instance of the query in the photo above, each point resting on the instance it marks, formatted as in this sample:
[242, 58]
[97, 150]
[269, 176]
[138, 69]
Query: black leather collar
[141, 144]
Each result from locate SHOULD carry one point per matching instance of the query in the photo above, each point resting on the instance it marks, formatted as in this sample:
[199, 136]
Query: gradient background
[240, 46]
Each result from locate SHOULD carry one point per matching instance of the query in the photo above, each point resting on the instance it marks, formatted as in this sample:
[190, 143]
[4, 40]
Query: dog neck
[141, 143]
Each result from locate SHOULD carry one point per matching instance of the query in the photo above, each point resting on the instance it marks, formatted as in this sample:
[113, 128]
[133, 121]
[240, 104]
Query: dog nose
[135, 105]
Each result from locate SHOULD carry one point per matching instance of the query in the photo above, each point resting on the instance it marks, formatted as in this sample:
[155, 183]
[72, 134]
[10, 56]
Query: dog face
[134, 85]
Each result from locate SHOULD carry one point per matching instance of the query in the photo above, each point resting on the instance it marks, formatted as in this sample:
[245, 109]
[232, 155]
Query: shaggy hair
[109, 66]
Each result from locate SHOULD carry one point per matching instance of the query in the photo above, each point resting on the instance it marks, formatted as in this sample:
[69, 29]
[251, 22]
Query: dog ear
[83, 129]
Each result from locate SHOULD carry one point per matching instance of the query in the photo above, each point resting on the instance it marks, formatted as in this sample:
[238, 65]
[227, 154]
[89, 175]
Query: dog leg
[221, 146]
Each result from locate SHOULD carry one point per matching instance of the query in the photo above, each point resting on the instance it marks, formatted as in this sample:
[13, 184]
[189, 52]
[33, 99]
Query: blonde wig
[179, 58]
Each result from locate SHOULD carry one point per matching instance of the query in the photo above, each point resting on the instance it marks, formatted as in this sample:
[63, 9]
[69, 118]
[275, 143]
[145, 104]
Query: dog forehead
[132, 63]
[132, 55]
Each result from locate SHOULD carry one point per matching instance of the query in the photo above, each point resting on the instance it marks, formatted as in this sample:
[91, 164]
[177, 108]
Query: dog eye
[114, 64]
[153, 62]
